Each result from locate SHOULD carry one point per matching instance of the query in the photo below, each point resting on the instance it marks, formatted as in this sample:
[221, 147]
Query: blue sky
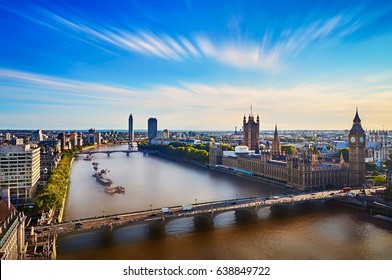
[195, 64]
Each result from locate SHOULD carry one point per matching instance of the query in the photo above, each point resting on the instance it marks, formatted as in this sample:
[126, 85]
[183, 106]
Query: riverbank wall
[274, 183]
[179, 159]
[254, 178]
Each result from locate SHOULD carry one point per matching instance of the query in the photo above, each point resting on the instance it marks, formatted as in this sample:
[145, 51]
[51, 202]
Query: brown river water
[153, 182]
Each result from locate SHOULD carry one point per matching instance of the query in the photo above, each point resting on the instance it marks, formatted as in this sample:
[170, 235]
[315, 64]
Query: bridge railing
[241, 202]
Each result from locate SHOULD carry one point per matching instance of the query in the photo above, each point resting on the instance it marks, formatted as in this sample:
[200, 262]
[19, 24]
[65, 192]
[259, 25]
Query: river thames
[153, 182]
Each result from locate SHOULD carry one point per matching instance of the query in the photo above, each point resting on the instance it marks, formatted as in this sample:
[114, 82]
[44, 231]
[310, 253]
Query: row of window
[5, 167]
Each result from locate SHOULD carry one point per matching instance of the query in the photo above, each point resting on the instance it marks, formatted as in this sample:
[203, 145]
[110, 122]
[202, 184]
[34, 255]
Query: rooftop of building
[16, 148]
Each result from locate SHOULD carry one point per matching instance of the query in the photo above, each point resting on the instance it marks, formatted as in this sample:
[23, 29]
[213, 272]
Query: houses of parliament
[303, 171]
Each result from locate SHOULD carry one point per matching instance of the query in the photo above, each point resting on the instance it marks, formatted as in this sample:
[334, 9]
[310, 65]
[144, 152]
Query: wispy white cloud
[205, 106]
[246, 56]
[31, 81]
[236, 50]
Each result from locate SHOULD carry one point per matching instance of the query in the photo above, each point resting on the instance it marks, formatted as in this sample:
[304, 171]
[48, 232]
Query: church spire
[276, 147]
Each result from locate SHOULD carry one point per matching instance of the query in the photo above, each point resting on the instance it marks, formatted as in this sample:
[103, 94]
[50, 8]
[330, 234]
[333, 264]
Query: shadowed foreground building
[300, 171]
[12, 232]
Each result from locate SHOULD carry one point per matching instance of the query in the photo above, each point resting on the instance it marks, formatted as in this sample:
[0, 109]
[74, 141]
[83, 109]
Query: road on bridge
[156, 214]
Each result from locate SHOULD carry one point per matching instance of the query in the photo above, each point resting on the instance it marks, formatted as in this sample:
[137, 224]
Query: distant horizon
[176, 130]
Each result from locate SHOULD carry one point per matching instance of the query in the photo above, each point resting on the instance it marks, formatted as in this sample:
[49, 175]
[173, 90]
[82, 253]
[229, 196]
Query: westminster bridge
[203, 214]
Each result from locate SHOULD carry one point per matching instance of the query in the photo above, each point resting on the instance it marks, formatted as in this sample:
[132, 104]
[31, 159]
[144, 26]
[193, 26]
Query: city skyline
[304, 67]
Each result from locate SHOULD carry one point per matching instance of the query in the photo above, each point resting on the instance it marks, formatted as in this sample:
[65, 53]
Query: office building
[19, 171]
[165, 134]
[152, 129]
[73, 140]
[130, 129]
[93, 137]
[61, 136]
[37, 136]
[17, 141]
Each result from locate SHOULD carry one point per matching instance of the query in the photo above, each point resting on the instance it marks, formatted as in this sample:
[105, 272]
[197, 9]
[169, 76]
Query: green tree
[288, 149]
[198, 152]
[52, 195]
[370, 166]
[345, 153]
[388, 162]
[379, 180]
[227, 147]
[376, 173]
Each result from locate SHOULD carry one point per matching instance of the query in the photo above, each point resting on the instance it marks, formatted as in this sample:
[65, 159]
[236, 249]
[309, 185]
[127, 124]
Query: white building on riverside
[19, 171]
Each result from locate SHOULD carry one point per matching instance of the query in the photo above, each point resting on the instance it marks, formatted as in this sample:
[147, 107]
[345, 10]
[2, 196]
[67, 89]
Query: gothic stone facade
[304, 171]
[301, 172]
[251, 132]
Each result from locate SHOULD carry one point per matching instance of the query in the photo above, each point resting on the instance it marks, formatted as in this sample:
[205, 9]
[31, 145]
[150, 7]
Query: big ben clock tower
[357, 144]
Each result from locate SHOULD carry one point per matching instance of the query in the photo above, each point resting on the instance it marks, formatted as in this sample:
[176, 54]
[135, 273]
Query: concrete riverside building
[304, 171]
[19, 171]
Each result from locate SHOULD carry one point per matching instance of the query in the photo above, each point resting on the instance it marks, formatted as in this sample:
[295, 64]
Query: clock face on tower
[361, 139]
[352, 139]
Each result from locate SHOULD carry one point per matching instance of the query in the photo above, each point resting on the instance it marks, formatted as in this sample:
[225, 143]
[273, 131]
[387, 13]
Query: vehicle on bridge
[166, 210]
[187, 207]
[78, 225]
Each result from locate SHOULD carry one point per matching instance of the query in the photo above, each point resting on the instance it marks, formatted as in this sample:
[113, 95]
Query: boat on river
[102, 179]
[88, 158]
[95, 165]
[111, 190]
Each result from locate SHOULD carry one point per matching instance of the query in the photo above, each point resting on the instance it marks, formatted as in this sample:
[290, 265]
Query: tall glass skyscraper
[152, 128]
[130, 128]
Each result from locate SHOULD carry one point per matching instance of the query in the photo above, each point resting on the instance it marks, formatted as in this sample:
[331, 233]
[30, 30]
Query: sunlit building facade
[19, 171]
